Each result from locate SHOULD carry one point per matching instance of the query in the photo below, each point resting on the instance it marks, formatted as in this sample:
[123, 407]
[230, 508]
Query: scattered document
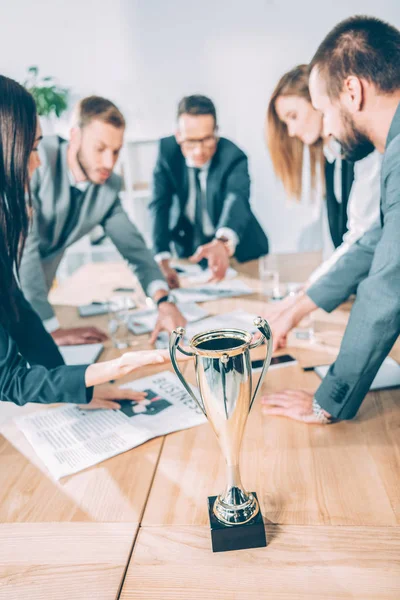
[144, 321]
[68, 439]
[213, 291]
[82, 354]
[206, 275]
[238, 319]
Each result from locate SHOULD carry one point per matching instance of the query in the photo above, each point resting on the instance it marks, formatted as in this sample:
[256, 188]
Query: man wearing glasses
[201, 190]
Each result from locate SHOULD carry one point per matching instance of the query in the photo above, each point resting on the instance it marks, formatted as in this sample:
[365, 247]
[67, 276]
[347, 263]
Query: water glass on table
[120, 311]
[269, 277]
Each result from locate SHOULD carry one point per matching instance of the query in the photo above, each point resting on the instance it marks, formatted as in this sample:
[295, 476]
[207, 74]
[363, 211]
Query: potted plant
[51, 99]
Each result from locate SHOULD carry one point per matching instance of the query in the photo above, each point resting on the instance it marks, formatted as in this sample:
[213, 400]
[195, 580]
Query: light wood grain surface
[63, 561]
[330, 495]
[299, 563]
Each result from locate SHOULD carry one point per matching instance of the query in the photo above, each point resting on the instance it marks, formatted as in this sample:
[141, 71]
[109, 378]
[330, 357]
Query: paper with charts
[68, 439]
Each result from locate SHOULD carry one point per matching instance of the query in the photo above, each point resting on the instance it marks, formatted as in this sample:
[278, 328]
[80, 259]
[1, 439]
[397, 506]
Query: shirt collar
[81, 185]
[204, 167]
[394, 127]
[332, 151]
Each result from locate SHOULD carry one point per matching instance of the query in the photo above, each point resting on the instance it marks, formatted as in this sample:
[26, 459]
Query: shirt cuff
[51, 324]
[162, 256]
[229, 234]
[155, 286]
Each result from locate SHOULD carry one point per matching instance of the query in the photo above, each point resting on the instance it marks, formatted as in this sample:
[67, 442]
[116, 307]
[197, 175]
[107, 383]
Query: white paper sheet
[213, 291]
[206, 275]
[68, 439]
[82, 354]
[144, 321]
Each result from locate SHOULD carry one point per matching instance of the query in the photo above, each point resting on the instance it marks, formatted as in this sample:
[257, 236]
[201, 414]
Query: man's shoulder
[229, 150]
[50, 147]
[169, 147]
[391, 158]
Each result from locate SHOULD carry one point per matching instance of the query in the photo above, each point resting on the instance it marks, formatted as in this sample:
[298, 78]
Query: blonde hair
[97, 108]
[287, 152]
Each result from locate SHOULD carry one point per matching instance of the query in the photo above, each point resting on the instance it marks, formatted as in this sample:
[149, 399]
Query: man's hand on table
[169, 318]
[217, 254]
[295, 404]
[78, 335]
[171, 276]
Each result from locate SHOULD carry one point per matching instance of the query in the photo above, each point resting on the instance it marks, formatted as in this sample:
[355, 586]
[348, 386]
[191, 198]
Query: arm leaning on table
[21, 383]
[374, 323]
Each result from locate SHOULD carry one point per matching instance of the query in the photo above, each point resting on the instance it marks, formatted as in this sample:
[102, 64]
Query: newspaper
[68, 439]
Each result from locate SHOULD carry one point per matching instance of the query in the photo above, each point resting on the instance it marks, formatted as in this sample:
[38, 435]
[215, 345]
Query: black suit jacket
[337, 211]
[31, 366]
[228, 203]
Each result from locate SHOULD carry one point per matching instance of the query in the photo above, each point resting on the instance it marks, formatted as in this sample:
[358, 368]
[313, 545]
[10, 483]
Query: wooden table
[135, 526]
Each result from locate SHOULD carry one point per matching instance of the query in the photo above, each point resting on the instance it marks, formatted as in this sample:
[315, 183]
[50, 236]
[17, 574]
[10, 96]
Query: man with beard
[74, 190]
[355, 83]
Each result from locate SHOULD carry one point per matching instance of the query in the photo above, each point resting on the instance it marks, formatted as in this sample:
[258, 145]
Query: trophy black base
[236, 537]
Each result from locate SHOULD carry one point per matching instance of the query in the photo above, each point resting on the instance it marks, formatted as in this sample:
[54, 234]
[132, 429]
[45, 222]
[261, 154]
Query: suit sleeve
[33, 281]
[346, 274]
[131, 245]
[374, 323]
[236, 209]
[21, 383]
[160, 206]
[30, 336]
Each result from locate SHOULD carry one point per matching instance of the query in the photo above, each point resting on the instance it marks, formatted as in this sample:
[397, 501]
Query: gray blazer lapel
[62, 191]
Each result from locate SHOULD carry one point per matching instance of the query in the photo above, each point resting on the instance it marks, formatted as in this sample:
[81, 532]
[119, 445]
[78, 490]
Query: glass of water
[269, 276]
[120, 310]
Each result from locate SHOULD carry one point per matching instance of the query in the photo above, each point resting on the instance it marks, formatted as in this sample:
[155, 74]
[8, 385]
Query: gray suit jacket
[46, 243]
[371, 268]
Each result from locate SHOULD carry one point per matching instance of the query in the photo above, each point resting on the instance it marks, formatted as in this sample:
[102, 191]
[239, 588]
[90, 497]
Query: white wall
[147, 54]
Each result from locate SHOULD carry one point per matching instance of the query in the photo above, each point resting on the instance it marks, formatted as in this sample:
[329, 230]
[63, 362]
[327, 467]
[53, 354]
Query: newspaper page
[68, 439]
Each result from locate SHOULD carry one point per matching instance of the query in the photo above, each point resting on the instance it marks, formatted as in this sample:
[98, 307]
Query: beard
[82, 165]
[355, 144]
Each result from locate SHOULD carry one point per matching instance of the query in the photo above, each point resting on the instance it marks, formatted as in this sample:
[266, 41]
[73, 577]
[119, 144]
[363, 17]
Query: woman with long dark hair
[31, 367]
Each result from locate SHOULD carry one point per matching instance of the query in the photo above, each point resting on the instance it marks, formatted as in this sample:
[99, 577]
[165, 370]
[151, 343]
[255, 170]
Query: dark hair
[362, 46]
[197, 105]
[17, 137]
[101, 109]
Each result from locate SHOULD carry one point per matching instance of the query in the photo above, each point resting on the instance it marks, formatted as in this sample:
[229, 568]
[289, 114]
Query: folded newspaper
[68, 439]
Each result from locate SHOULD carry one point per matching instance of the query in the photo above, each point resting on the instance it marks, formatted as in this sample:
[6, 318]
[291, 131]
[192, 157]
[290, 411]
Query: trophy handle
[174, 340]
[266, 334]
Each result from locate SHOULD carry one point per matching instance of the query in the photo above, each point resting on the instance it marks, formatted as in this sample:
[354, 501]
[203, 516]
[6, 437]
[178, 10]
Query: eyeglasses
[208, 142]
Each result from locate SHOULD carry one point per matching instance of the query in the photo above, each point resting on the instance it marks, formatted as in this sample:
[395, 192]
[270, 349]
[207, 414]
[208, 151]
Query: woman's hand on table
[108, 395]
[126, 364]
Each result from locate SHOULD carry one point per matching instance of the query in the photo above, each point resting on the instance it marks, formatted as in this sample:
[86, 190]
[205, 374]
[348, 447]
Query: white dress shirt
[363, 208]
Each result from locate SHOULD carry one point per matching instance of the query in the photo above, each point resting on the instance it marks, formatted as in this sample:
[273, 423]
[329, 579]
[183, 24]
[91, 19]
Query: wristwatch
[318, 412]
[167, 298]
